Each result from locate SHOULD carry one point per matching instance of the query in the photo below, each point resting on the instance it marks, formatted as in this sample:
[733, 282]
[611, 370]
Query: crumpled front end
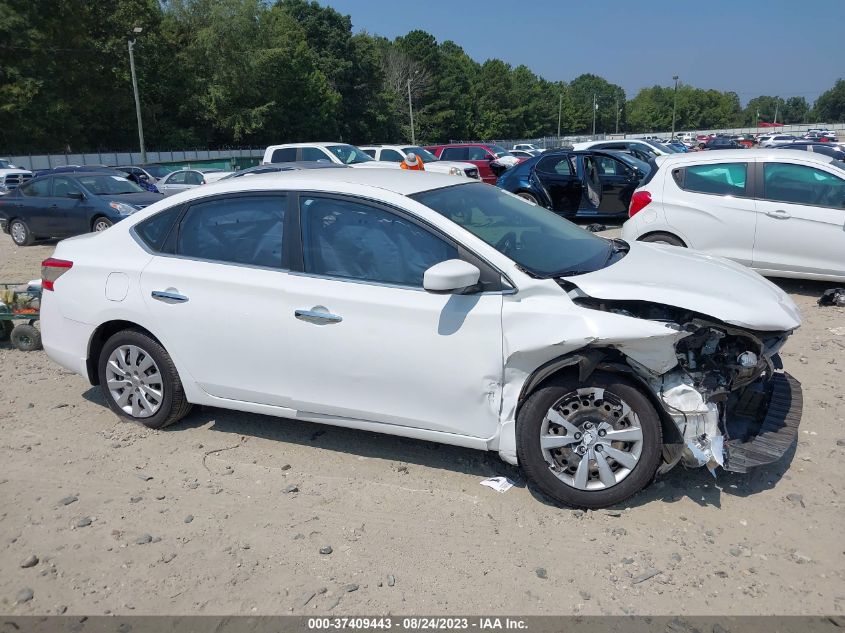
[728, 396]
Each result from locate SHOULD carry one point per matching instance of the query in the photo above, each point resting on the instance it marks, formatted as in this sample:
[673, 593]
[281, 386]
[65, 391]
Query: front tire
[21, 235]
[100, 224]
[140, 382]
[589, 445]
[664, 238]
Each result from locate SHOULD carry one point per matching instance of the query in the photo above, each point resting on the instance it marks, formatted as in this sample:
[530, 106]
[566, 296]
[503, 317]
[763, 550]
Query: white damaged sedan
[406, 303]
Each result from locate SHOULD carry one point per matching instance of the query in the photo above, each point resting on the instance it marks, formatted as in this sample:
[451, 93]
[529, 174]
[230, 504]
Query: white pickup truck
[11, 177]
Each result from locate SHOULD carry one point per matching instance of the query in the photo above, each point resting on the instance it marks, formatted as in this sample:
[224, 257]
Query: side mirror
[454, 276]
[76, 195]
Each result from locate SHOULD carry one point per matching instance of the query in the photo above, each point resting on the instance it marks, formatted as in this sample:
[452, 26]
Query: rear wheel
[100, 224]
[140, 381]
[21, 235]
[589, 444]
[528, 196]
[663, 238]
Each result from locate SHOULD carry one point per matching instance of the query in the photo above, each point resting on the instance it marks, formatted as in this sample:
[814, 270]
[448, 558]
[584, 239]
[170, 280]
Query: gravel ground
[233, 513]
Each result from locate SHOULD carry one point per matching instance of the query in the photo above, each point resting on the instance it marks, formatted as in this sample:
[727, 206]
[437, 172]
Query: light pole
[137, 30]
[411, 111]
[674, 106]
[595, 107]
[559, 110]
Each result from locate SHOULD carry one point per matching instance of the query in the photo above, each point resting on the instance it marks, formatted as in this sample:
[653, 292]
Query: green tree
[830, 106]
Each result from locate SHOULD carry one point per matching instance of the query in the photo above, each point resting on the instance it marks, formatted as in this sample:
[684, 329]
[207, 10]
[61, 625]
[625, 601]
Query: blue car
[66, 204]
[678, 146]
[594, 184]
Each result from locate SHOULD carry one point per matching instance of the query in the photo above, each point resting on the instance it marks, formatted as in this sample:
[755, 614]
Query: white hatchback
[781, 213]
[430, 307]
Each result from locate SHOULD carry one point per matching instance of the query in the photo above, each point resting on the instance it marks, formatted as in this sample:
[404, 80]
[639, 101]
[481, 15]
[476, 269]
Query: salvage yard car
[588, 184]
[411, 304]
[67, 204]
[398, 153]
[779, 212]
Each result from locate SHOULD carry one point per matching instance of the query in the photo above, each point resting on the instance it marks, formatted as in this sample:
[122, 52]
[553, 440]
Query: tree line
[221, 73]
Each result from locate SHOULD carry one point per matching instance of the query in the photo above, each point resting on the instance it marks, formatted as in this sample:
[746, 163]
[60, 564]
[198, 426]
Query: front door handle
[780, 214]
[168, 297]
[318, 317]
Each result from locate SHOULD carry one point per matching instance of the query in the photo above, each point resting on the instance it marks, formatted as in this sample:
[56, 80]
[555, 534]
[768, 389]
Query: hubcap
[134, 381]
[591, 439]
[18, 232]
[101, 226]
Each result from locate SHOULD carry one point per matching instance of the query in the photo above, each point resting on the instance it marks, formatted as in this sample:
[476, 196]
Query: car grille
[471, 172]
[13, 181]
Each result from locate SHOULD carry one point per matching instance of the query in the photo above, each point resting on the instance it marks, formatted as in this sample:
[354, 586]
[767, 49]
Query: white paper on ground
[500, 484]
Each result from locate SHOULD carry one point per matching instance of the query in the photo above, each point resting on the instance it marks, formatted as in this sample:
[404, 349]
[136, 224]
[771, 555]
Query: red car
[479, 154]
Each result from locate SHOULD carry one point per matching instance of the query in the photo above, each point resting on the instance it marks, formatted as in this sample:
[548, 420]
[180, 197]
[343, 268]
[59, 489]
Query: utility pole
[777, 104]
[137, 30]
[411, 111]
[674, 106]
[595, 107]
[618, 112]
[559, 110]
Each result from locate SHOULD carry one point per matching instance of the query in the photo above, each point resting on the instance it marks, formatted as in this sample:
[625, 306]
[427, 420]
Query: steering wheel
[507, 244]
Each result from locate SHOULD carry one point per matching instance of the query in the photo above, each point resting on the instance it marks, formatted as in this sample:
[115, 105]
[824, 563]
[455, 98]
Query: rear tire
[139, 380]
[528, 196]
[27, 338]
[663, 238]
[609, 419]
[21, 235]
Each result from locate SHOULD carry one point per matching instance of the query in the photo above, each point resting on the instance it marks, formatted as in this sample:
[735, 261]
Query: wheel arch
[96, 216]
[664, 232]
[582, 364]
[102, 334]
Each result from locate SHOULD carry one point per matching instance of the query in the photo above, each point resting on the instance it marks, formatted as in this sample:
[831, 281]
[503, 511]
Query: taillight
[639, 201]
[51, 270]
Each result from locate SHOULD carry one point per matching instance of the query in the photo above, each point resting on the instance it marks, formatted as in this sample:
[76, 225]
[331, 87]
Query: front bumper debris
[758, 439]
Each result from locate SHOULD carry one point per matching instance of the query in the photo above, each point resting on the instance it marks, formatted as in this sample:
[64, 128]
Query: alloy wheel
[18, 233]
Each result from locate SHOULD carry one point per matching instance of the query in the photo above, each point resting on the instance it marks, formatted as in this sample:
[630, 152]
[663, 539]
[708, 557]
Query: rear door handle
[168, 297]
[317, 316]
[780, 214]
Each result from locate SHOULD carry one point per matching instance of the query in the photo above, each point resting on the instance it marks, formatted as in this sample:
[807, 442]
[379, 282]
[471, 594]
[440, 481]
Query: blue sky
[752, 47]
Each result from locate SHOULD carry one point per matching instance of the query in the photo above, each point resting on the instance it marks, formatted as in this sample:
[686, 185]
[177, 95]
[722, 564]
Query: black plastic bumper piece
[778, 431]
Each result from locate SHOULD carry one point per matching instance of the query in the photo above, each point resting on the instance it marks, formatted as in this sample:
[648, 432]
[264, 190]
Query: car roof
[694, 157]
[400, 181]
[274, 168]
[314, 144]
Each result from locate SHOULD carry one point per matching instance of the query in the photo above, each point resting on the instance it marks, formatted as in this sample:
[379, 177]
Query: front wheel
[101, 224]
[139, 380]
[591, 444]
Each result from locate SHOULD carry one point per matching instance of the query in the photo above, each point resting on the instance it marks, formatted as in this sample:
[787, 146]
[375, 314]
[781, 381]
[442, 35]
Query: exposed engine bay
[718, 393]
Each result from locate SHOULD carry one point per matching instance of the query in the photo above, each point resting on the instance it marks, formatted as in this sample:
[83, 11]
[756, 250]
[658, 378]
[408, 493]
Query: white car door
[801, 220]
[174, 183]
[367, 342]
[218, 297]
[711, 205]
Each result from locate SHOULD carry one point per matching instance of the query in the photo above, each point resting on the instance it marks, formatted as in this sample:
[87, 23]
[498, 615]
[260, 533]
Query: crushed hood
[690, 280]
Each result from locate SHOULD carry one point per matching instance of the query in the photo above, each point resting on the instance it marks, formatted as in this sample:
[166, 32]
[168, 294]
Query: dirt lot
[411, 530]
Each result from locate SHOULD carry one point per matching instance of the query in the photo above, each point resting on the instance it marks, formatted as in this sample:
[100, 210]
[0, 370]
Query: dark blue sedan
[595, 184]
[61, 205]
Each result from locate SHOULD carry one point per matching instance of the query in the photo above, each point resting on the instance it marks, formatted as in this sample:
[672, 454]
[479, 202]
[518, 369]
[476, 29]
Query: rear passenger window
[285, 155]
[245, 230]
[784, 182]
[154, 230]
[391, 155]
[722, 179]
[37, 188]
[555, 165]
[455, 153]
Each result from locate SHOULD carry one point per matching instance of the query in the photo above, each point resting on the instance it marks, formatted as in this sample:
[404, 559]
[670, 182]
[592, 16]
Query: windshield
[4, 164]
[423, 154]
[158, 171]
[539, 241]
[499, 151]
[349, 154]
[109, 185]
[662, 147]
